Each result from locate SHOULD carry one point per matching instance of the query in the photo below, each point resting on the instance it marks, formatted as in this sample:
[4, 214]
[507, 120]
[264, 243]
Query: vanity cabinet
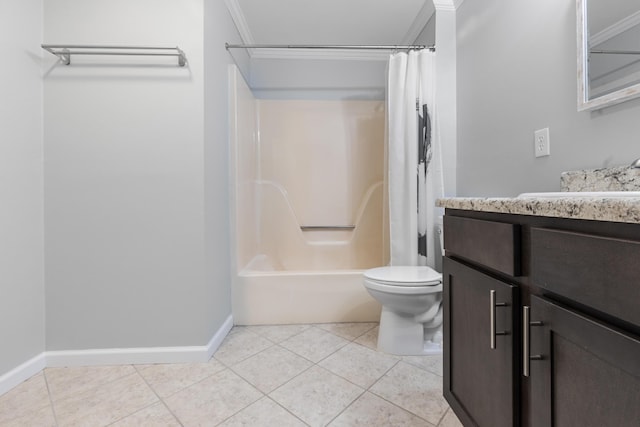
[588, 373]
[480, 307]
[542, 320]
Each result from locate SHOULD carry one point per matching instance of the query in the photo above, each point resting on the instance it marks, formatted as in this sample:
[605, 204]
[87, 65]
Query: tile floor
[293, 375]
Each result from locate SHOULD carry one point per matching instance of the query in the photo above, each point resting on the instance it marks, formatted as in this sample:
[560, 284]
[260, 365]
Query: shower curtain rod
[334, 47]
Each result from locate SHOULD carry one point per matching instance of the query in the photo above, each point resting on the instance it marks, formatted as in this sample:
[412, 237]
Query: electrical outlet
[541, 142]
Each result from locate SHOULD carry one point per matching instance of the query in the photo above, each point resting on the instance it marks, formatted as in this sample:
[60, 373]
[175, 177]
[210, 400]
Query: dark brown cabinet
[587, 373]
[473, 356]
[541, 321]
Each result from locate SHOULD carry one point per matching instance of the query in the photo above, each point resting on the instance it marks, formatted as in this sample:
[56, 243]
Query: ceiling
[336, 22]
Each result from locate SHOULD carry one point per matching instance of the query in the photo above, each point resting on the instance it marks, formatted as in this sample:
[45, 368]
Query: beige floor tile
[264, 413]
[370, 410]
[349, 331]
[369, 339]
[450, 420]
[154, 415]
[42, 417]
[105, 404]
[278, 333]
[359, 364]
[431, 363]
[240, 344]
[65, 382]
[316, 396]
[314, 344]
[30, 396]
[271, 368]
[212, 400]
[414, 389]
[166, 379]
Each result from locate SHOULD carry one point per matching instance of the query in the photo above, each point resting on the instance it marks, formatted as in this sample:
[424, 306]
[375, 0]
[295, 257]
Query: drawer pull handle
[492, 315]
[526, 338]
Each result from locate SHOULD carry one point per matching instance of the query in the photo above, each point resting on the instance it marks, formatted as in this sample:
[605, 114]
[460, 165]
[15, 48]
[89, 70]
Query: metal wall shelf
[65, 52]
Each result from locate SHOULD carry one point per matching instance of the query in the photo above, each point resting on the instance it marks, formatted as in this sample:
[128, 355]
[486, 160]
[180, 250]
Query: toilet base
[431, 348]
[403, 336]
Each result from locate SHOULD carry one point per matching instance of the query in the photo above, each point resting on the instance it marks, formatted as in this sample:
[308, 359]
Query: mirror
[608, 52]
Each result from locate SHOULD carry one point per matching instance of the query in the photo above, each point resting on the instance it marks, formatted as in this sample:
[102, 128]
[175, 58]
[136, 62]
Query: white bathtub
[289, 297]
[298, 167]
[308, 277]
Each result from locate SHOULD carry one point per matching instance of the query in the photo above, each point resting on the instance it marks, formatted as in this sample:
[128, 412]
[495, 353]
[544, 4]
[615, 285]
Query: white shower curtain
[414, 158]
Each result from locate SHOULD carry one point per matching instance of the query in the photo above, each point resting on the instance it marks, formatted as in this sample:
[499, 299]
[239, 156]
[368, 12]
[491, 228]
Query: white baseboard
[219, 336]
[115, 356]
[140, 356]
[22, 373]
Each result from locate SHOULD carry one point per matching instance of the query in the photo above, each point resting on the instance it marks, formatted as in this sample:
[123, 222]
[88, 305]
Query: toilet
[411, 318]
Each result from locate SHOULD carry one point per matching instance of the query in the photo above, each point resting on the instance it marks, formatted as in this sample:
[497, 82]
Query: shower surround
[299, 168]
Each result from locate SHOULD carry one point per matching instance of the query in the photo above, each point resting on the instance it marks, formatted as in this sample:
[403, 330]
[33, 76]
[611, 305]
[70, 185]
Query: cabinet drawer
[599, 272]
[493, 244]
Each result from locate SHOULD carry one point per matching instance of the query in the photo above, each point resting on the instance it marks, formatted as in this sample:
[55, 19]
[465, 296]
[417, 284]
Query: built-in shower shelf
[65, 52]
[327, 227]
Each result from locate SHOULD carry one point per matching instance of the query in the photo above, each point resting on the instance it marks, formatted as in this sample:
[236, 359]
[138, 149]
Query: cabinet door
[588, 373]
[480, 382]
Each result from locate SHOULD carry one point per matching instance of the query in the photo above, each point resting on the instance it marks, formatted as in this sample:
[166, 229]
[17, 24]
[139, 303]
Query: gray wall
[135, 188]
[516, 65]
[218, 29]
[21, 214]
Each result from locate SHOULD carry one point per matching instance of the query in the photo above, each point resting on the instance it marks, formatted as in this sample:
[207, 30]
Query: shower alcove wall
[300, 163]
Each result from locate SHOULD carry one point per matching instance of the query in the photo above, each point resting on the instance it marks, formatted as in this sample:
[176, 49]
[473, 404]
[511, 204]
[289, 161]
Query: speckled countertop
[590, 208]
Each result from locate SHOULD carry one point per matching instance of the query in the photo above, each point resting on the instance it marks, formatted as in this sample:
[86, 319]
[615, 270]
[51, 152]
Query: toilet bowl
[411, 299]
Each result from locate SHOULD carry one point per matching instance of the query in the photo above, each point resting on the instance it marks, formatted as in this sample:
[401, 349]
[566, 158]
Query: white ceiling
[350, 22]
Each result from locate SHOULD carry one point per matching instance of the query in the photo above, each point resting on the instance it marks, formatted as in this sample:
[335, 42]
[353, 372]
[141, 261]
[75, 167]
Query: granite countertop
[625, 209]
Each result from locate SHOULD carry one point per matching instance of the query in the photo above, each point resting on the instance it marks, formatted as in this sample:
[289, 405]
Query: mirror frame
[584, 102]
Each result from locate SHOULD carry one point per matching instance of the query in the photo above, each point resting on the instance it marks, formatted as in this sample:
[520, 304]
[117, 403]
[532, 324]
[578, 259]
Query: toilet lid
[404, 276]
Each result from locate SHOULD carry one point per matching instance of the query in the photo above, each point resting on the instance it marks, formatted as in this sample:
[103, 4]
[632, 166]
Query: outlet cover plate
[541, 142]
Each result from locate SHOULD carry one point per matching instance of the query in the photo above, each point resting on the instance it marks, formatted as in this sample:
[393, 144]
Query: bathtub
[263, 295]
[306, 209]
[308, 277]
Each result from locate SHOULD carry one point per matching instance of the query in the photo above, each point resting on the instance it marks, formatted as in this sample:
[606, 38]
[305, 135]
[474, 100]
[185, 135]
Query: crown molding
[617, 28]
[425, 13]
[237, 15]
[449, 5]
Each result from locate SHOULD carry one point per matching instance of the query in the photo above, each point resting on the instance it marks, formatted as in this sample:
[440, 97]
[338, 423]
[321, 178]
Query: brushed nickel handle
[526, 338]
[492, 315]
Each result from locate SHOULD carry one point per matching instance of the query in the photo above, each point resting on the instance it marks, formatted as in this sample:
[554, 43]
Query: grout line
[242, 409]
[348, 406]
[53, 408]
[292, 378]
[160, 399]
[99, 385]
[292, 414]
[402, 407]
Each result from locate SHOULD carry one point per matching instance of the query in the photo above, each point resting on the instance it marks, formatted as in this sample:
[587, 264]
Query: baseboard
[140, 356]
[219, 336]
[115, 356]
[22, 373]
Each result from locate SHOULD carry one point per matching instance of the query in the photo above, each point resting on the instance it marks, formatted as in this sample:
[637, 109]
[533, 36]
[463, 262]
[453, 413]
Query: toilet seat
[404, 276]
[403, 280]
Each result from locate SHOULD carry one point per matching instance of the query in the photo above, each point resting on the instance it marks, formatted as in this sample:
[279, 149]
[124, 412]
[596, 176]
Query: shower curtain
[413, 158]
